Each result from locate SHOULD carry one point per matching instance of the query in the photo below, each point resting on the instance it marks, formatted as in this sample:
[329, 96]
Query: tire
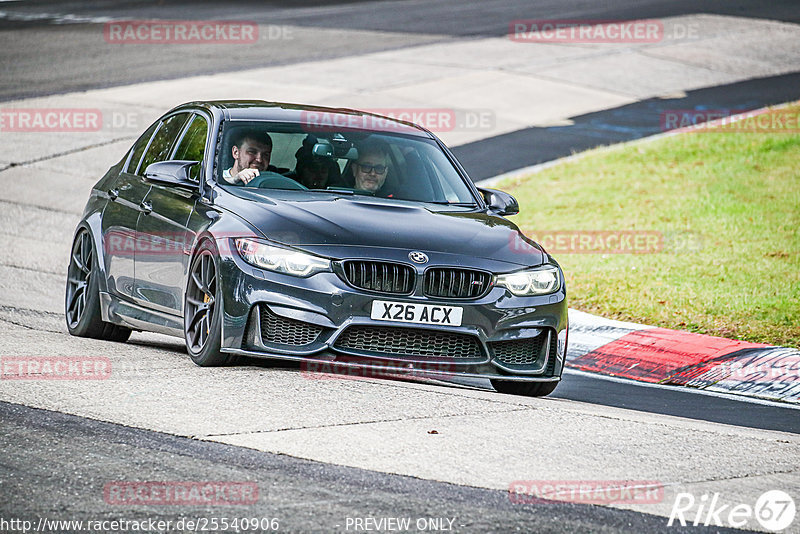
[82, 296]
[202, 316]
[528, 389]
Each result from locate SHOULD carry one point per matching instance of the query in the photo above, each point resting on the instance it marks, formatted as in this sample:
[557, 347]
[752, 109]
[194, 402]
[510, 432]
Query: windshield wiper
[446, 203]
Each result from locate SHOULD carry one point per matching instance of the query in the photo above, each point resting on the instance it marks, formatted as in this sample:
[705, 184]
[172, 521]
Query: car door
[165, 240]
[118, 223]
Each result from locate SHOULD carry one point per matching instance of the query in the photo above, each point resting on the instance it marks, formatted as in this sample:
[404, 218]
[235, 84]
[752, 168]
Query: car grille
[520, 351]
[410, 342]
[379, 276]
[456, 283]
[277, 329]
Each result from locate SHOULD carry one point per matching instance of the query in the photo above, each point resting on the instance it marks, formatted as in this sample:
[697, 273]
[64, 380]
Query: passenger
[370, 170]
[314, 172]
[251, 151]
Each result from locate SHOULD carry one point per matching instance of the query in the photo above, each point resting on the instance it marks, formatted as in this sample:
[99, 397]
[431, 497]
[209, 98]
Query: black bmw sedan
[318, 235]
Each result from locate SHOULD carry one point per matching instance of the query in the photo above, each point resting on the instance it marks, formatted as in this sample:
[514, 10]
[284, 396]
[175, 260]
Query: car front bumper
[325, 323]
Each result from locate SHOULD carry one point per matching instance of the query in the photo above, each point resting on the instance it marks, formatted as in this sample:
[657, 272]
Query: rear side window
[193, 145]
[138, 148]
[163, 141]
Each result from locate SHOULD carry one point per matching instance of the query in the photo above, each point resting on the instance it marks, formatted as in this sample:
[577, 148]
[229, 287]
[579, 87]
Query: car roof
[325, 117]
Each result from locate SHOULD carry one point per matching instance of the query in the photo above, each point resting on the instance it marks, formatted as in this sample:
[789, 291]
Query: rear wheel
[82, 299]
[528, 389]
[202, 310]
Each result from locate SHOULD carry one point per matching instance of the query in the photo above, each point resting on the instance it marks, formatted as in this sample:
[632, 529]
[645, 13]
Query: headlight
[280, 260]
[534, 282]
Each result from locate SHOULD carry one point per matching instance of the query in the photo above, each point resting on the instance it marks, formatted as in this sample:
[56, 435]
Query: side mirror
[500, 202]
[174, 172]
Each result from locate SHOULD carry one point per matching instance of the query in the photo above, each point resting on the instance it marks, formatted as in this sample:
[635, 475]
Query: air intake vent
[519, 351]
[380, 276]
[456, 283]
[409, 342]
[551, 363]
[283, 331]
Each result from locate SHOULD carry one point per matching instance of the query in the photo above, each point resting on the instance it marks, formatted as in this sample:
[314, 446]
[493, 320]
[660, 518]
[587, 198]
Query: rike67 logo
[774, 510]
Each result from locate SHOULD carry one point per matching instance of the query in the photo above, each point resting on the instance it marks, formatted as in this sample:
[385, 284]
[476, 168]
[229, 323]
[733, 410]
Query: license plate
[405, 312]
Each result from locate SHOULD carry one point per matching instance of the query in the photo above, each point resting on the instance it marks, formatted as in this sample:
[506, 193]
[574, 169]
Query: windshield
[268, 155]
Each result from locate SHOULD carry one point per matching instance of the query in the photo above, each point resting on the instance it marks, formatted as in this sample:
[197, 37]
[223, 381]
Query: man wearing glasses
[371, 168]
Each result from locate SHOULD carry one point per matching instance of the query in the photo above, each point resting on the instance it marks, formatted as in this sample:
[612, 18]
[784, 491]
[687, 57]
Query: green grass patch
[727, 206]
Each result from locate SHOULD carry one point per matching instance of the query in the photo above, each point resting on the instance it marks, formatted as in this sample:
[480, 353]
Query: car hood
[336, 226]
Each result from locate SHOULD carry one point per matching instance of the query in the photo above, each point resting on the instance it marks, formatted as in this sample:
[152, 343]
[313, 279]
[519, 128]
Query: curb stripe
[655, 354]
[676, 358]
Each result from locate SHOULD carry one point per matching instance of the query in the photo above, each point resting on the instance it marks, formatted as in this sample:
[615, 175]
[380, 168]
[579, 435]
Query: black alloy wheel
[82, 298]
[202, 311]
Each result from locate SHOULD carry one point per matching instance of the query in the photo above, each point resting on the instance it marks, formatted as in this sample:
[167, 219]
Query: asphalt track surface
[43, 52]
[531, 146]
[46, 54]
[50, 47]
[83, 455]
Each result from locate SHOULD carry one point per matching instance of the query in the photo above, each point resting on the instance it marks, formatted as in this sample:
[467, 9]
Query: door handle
[145, 206]
[113, 193]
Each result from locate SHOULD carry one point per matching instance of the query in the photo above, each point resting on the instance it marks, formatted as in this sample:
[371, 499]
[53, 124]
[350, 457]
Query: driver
[251, 152]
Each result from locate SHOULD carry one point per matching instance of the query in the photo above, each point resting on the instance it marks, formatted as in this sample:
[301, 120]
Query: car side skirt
[125, 313]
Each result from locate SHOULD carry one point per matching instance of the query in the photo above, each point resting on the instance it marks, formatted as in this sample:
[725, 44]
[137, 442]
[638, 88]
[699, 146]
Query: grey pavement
[56, 46]
[493, 85]
[56, 467]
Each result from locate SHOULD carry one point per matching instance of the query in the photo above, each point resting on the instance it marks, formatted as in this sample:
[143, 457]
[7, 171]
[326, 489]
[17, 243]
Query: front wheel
[202, 310]
[528, 389]
[82, 298]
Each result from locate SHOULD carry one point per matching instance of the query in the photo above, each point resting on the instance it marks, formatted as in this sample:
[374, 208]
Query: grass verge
[717, 215]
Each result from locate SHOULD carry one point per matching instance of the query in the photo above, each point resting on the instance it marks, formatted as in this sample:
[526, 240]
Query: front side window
[192, 146]
[163, 141]
[138, 148]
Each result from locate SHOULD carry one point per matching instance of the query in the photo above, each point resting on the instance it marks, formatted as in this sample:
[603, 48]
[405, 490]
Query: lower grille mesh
[520, 351]
[277, 329]
[410, 342]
